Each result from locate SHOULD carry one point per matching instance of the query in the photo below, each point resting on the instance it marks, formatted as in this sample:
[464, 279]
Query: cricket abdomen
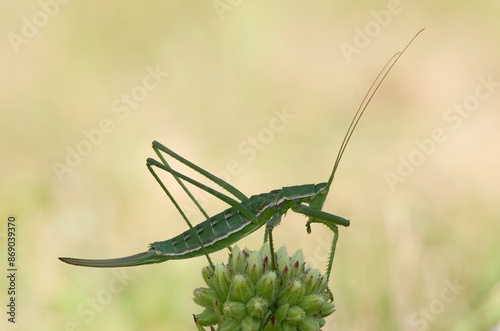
[216, 233]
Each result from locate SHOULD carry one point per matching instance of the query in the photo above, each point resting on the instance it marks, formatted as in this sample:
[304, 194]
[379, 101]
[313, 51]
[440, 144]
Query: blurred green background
[421, 253]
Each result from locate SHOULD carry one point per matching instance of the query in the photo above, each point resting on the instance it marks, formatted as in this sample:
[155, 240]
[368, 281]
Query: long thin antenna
[366, 101]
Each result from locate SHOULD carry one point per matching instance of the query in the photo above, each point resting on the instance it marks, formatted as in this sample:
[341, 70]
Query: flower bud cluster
[247, 294]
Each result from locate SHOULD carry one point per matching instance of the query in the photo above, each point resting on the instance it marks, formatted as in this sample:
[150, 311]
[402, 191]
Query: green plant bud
[237, 260]
[234, 309]
[265, 255]
[208, 276]
[311, 303]
[250, 324]
[297, 264]
[292, 293]
[206, 317]
[280, 313]
[282, 259]
[205, 297]
[222, 280]
[267, 286]
[308, 324]
[297, 270]
[319, 286]
[257, 307]
[264, 251]
[327, 309]
[321, 322]
[255, 266]
[294, 315]
[322, 285]
[286, 275]
[242, 288]
[310, 279]
[230, 324]
[298, 256]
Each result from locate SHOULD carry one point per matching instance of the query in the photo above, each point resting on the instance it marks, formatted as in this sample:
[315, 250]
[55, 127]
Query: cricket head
[319, 197]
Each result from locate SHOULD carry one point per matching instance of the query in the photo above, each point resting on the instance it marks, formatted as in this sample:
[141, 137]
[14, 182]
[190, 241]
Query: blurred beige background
[422, 250]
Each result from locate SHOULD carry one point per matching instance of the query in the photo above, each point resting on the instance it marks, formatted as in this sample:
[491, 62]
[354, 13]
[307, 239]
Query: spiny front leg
[335, 231]
[330, 220]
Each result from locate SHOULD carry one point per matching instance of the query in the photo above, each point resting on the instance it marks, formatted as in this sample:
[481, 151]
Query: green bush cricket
[246, 215]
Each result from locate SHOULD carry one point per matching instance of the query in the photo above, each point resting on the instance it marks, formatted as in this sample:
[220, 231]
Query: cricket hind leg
[159, 149]
[179, 177]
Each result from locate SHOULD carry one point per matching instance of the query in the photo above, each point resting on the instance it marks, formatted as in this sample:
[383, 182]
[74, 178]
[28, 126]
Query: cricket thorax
[279, 201]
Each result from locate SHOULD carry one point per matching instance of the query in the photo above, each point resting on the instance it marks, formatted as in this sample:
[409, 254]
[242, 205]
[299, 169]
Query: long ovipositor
[217, 232]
